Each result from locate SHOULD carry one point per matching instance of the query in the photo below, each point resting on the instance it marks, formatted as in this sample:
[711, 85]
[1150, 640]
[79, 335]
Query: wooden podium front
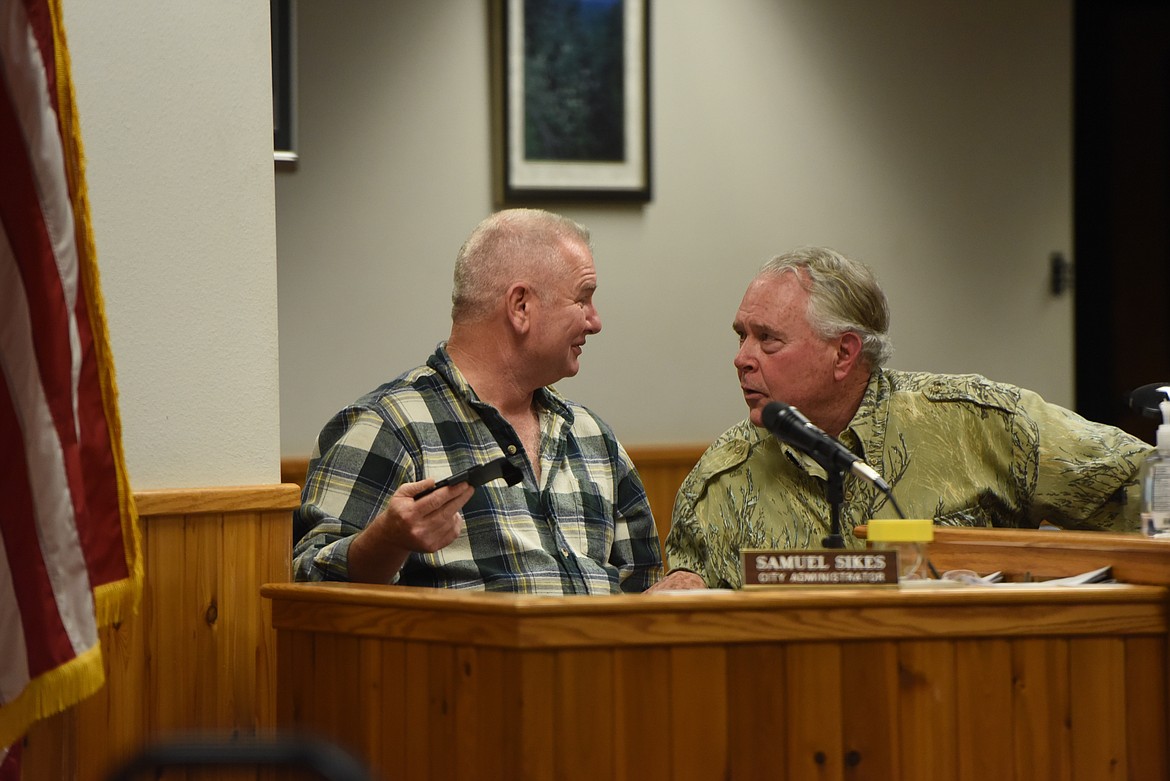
[829, 683]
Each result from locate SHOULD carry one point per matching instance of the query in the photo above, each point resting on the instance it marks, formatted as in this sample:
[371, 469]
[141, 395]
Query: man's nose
[593, 320]
[745, 357]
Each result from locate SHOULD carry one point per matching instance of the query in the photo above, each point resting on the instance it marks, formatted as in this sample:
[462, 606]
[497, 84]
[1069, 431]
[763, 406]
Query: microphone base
[833, 541]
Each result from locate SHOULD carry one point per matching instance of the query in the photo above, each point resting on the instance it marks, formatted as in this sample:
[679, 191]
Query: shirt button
[511, 450]
[565, 552]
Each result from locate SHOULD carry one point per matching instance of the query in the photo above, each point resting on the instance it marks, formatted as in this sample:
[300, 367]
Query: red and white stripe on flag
[70, 556]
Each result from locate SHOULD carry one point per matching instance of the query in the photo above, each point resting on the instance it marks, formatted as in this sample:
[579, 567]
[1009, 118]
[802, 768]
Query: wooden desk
[1043, 555]
[881, 683]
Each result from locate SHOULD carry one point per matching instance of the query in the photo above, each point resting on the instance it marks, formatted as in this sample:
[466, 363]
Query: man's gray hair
[506, 246]
[843, 296]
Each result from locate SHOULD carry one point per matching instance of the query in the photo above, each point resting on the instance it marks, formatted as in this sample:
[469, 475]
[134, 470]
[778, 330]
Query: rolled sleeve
[361, 464]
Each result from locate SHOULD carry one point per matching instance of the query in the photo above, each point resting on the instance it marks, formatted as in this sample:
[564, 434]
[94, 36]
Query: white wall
[175, 104]
[929, 139]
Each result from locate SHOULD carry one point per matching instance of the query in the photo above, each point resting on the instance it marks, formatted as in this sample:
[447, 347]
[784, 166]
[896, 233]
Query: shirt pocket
[583, 515]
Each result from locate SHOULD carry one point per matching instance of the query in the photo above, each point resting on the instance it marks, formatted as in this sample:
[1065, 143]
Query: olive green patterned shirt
[960, 449]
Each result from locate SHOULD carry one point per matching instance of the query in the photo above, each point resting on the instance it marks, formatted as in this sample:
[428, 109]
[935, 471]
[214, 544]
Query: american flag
[70, 558]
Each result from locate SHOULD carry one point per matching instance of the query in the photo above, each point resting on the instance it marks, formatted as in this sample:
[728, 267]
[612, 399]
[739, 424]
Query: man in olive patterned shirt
[963, 450]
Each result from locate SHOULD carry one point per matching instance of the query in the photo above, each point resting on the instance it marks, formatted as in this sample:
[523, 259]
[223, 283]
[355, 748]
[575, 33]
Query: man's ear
[519, 305]
[848, 354]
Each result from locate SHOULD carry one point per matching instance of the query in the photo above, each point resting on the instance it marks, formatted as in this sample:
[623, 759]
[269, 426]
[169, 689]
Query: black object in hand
[480, 474]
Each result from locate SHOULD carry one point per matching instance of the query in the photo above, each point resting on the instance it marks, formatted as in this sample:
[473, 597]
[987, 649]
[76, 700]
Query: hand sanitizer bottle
[908, 537]
[1155, 479]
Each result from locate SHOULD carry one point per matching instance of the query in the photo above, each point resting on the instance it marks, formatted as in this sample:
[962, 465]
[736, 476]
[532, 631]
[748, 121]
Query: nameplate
[827, 567]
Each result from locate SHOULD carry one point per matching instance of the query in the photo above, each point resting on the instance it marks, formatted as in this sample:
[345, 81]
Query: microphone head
[778, 413]
[1143, 400]
[772, 412]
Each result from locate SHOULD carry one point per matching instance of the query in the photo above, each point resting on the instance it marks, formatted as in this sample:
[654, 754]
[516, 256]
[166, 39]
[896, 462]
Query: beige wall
[175, 102]
[930, 139]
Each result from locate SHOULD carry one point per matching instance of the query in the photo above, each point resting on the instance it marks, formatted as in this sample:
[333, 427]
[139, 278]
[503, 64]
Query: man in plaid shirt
[579, 521]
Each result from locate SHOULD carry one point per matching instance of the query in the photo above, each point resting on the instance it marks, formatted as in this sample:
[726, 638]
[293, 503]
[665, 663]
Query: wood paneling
[1025, 554]
[199, 656]
[464, 617]
[663, 469]
[832, 683]
[293, 470]
[847, 683]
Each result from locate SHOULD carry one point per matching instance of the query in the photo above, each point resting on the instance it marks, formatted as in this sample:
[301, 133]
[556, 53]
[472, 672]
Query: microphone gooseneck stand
[836, 496]
[835, 493]
[787, 424]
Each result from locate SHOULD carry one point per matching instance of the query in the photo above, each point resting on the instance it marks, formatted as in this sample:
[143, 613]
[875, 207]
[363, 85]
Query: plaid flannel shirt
[586, 529]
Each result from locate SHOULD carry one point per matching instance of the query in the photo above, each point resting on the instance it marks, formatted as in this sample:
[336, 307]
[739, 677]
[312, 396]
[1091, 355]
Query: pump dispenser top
[1163, 439]
[1155, 477]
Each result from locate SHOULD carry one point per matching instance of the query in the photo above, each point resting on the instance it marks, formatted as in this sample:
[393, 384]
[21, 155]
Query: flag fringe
[116, 600]
[51, 693]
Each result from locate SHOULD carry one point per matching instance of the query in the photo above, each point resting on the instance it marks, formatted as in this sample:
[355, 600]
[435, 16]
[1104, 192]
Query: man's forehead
[582, 277]
[754, 315]
[768, 301]
[754, 321]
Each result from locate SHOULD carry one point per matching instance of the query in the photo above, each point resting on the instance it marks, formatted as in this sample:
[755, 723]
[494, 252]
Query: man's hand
[407, 525]
[679, 580]
[424, 525]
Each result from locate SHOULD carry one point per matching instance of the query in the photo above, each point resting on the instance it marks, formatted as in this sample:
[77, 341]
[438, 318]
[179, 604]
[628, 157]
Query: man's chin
[756, 412]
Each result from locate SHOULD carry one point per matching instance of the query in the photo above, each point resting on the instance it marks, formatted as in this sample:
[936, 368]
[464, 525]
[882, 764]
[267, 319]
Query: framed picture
[283, 79]
[572, 99]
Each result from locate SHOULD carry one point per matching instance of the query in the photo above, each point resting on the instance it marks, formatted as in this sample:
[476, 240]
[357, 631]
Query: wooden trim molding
[200, 653]
[293, 470]
[481, 619]
[653, 456]
[219, 499]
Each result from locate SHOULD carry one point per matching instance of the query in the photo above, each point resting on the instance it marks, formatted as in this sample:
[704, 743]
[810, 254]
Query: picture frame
[283, 17]
[572, 100]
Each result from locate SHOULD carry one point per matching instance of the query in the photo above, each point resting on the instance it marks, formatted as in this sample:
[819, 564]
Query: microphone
[788, 425]
[1145, 400]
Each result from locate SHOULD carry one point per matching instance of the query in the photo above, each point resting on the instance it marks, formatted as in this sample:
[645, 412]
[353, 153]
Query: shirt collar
[864, 435]
[867, 430]
[547, 397]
